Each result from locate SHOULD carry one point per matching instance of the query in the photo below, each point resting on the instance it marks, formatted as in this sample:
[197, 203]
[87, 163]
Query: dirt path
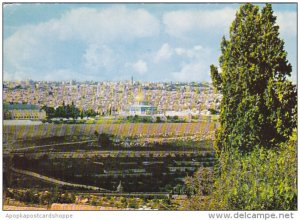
[57, 182]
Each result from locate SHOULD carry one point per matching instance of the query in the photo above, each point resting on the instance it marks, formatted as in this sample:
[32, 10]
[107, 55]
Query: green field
[17, 132]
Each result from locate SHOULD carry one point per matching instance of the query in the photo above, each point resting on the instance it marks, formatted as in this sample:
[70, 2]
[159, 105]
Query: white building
[142, 109]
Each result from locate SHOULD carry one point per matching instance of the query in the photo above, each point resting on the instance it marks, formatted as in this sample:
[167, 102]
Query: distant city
[115, 97]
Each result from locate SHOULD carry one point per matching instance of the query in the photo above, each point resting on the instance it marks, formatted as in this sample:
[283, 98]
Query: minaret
[131, 80]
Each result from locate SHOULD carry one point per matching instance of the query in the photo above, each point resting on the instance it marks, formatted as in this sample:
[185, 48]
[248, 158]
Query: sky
[100, 42]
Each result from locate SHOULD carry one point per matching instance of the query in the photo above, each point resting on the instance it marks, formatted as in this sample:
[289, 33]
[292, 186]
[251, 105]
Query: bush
[262, 179]
[158, 119]
[33, 196]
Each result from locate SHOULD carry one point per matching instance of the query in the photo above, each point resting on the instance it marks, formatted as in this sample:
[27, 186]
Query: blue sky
[151, 42]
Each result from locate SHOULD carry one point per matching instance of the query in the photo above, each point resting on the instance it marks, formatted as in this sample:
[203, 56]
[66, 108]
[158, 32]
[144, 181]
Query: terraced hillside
[79, 159]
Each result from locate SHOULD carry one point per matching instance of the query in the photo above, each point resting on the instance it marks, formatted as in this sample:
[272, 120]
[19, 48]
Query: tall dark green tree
[259, 103]
[256, 166]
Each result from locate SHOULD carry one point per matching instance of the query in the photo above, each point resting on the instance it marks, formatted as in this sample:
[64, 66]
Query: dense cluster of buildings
[116, 97]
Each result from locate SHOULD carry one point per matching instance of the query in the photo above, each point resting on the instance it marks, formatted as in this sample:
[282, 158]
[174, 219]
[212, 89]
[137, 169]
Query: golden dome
[140, 97]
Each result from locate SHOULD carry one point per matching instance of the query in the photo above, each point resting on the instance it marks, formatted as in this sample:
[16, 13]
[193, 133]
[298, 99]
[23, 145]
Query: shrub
[263, 179]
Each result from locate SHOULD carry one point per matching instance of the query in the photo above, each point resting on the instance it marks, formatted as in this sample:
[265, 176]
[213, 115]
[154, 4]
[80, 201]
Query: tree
[256, 141]
[7, 115]
[50, 111]
[259, 103]
[90, 113]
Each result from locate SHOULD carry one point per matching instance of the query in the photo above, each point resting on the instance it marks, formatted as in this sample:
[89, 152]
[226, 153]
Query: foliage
[139, 119]
[213, 111]
[259, 104]
[200, 186]
[67, 111]
[33, 196]
[256, 165]
[88, 113]
[263, 179]
[260, 180]
[176, 119]
[7, 115]
[204, 183]
[158, 119]
[103, 139]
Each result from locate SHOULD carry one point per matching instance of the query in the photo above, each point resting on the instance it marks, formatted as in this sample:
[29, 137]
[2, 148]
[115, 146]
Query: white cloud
[117, 23]
[39, 47]
[287, 22]
[140, 67]
[193, 52]
[21, 47]
[94, 25]
[194, 71]
[98, 57]
[196, 66]
[179, 23]
[92, 41]
[164, 53]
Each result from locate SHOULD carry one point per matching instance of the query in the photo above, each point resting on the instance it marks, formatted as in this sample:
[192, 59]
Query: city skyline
[151, 42]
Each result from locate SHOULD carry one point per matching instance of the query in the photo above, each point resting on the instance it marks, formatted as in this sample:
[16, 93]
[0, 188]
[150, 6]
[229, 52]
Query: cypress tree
[259, 103]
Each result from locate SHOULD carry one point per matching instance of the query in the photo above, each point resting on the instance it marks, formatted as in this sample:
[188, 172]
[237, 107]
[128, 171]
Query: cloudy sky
[151, 42]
